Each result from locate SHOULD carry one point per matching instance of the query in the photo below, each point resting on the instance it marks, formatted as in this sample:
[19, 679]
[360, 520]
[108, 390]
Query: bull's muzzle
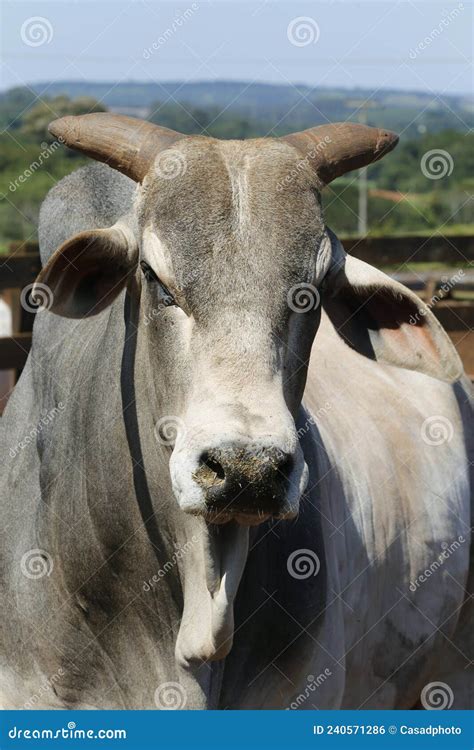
[248, 483]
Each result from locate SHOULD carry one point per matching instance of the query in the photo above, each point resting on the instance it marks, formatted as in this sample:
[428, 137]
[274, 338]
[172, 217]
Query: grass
[447, 231]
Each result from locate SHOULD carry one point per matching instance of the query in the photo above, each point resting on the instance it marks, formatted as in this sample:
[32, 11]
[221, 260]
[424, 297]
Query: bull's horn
[124, 143]
[333, 150]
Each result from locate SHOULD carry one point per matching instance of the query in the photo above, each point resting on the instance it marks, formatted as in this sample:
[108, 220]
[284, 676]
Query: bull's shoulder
[93, 196]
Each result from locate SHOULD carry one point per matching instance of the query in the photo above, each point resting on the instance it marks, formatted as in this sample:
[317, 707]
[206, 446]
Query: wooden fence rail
[394, 251]
[379, 251]
[456, 314]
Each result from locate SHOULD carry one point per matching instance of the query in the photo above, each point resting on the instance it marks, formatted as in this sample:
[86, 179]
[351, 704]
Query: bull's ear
[385, 321]
[88, 271]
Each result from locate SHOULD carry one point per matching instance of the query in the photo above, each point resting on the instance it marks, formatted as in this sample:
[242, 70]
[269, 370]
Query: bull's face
[229, 250]
[232, 253]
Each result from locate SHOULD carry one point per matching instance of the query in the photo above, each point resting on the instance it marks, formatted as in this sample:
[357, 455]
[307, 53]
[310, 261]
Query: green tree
[36, 120]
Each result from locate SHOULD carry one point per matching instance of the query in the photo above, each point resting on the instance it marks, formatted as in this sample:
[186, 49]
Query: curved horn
[124, 143]
[333, 150]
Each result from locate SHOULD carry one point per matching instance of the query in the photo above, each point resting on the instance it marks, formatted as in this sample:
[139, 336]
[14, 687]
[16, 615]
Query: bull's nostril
[215, 467]
[210, 471]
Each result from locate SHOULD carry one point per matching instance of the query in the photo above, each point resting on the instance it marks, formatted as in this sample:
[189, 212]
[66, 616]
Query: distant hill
[283, 107]
[427, 183]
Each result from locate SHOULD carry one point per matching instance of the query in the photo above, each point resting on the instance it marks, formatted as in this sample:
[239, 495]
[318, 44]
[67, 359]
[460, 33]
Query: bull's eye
[166, 298]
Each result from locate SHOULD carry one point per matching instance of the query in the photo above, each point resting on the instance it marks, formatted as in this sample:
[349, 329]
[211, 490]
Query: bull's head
[225, 237]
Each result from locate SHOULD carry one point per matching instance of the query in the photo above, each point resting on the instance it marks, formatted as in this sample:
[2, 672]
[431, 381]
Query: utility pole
[362, 222]
[362, 213]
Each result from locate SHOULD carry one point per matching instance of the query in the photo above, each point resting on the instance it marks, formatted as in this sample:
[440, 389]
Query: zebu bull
[180, 529]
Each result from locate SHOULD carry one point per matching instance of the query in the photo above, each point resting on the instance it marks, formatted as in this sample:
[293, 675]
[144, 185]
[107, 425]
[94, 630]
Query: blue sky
[370, 43]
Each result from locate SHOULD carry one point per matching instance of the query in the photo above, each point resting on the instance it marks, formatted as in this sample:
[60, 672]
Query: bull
[236, 465]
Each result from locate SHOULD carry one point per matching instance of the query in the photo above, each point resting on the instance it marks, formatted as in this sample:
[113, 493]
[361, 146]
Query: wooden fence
[454, 308]
[395, 251]
[17, 271]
